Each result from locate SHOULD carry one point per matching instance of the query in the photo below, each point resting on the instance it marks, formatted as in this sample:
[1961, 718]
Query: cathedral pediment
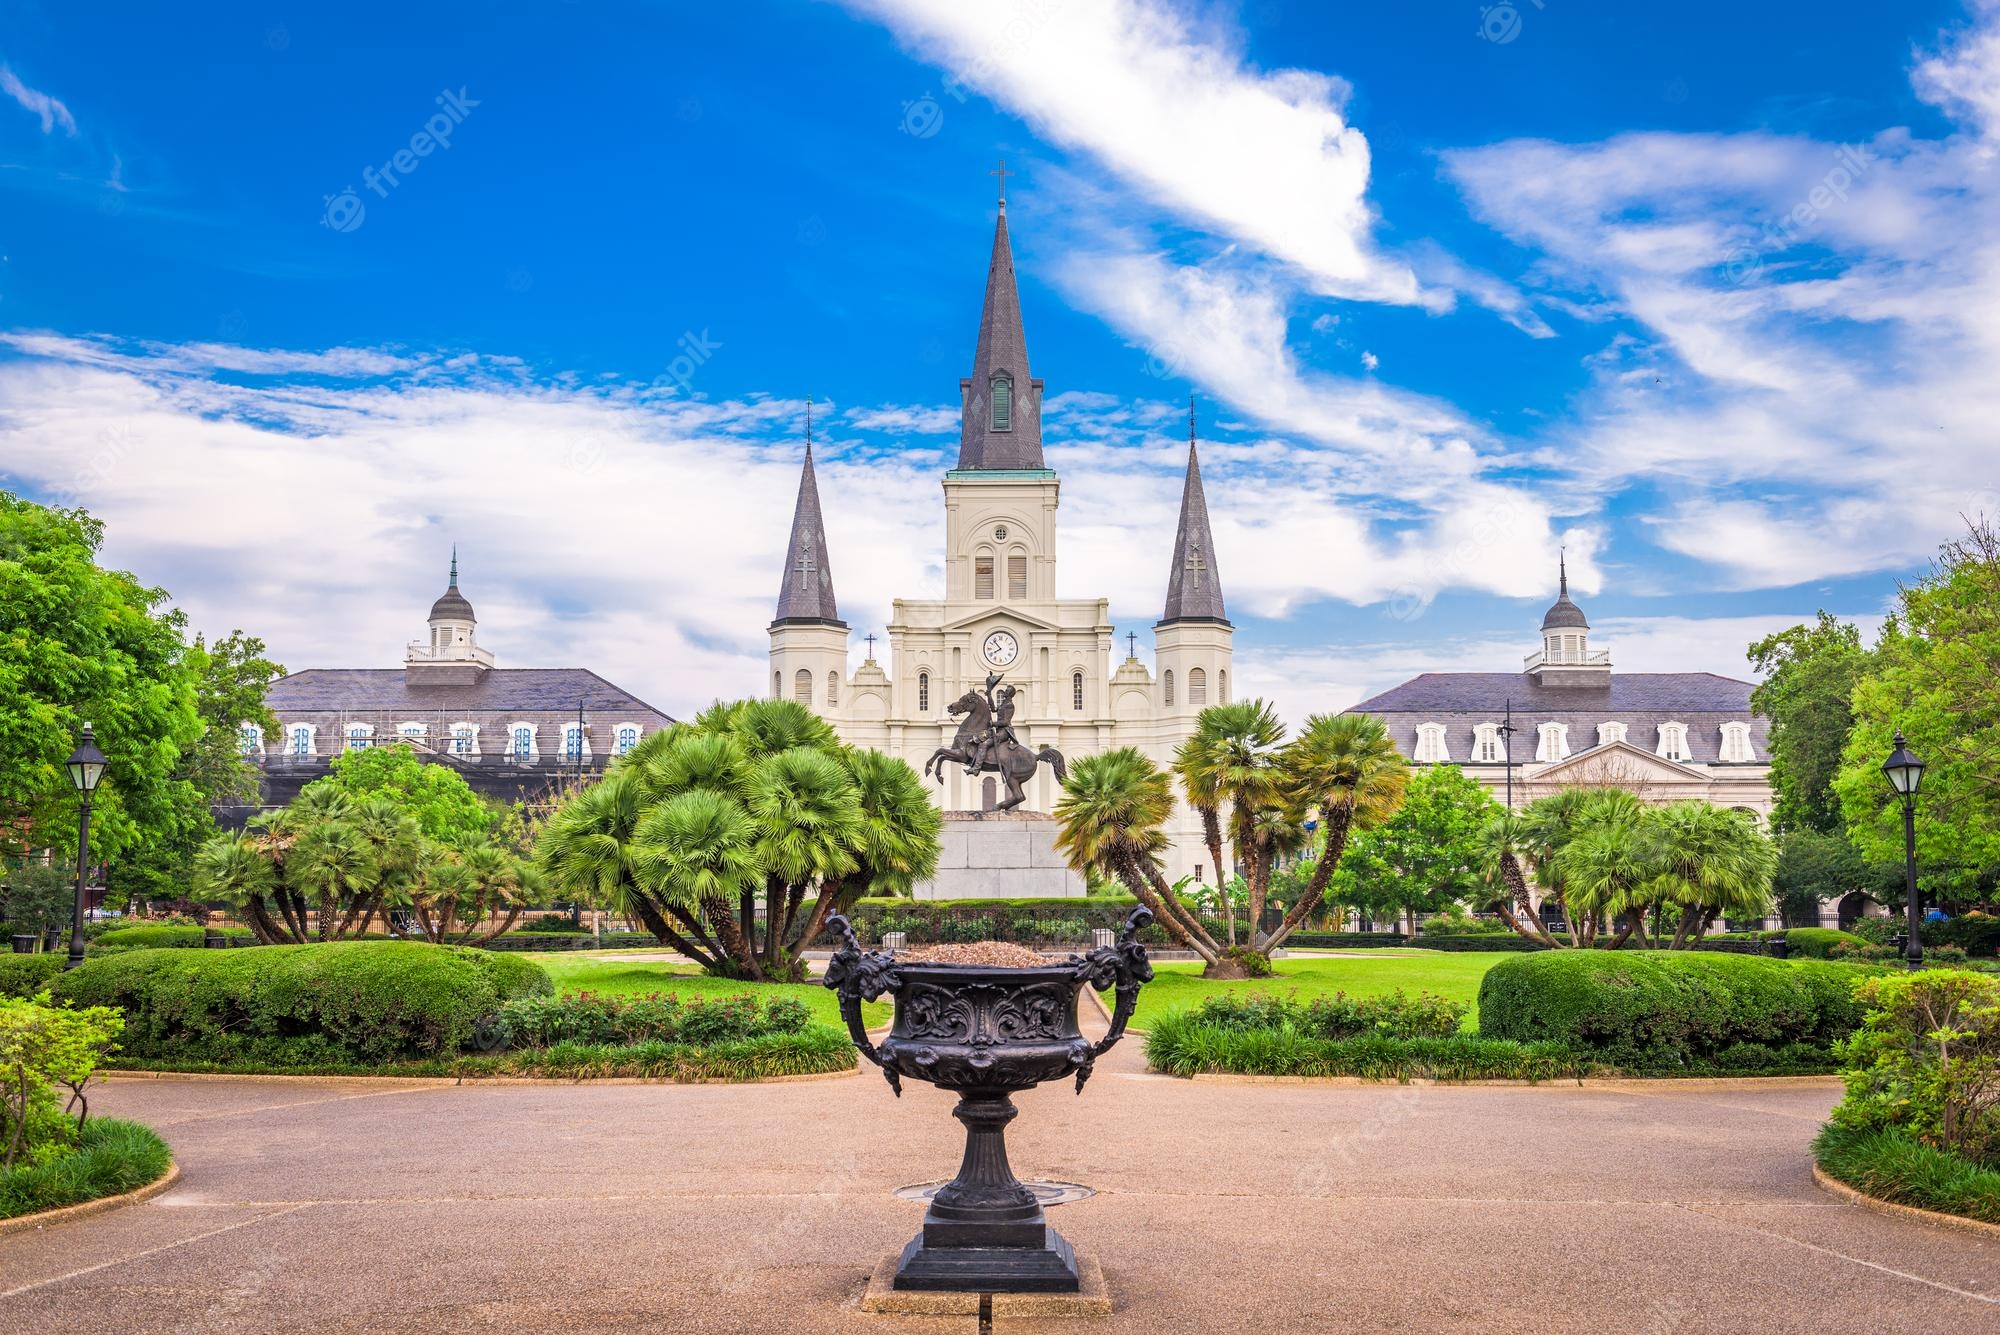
[991, 612]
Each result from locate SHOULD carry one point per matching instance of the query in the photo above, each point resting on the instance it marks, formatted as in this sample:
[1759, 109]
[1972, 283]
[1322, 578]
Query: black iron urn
[986, 1032]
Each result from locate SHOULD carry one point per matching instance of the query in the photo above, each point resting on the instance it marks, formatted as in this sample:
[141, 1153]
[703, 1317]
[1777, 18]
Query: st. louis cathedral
[1000, 613]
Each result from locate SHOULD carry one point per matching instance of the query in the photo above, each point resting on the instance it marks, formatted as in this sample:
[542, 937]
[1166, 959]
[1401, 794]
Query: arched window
[802, 686]
[1076, 691]
[1486, 744]
[982, 577]
[832, 689]
[463, 738]
[1017, 577]
[250, 740]
[923, 692]
[1197, 686]
[1167, 685]
[1222, 686]
[412, 732]
[359, 735]
[1003, 403]
[1610, 732]
[628, 737]
[521, 743]
[1551, 741]
[777, 686]
[572, 743]
[1736, 747]
[302, 740]
[1431, 749]
[1673, 741]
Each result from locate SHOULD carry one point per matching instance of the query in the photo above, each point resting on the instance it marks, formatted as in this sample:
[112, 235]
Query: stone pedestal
[1000, 855]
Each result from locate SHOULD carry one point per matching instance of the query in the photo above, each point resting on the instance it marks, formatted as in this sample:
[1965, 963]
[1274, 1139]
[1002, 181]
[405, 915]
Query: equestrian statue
[986, 743]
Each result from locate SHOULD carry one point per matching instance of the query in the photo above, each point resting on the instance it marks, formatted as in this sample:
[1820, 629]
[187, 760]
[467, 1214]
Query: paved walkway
[1664, 1208]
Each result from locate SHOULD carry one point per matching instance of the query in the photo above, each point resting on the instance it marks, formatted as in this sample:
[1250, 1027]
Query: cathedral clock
[1001, 648]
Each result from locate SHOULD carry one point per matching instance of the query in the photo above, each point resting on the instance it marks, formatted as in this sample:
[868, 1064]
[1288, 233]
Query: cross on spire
[1195, 565]
[1131, 644]
[1002, 172]
[805, 564]
[870, 637]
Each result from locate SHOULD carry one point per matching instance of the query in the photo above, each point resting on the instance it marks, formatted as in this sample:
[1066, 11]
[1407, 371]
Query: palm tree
[808, 819]
[334, 864]
[895, 844]
[399, 851]
[235, 867]
[586, 851]
[1347, 766]
[1112, 818]
[698, 850]
[1504, 839]
[1609, 867]
[1232, 757]
[1714, 861]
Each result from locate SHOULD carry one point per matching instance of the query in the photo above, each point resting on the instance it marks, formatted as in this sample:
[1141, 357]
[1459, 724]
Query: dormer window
[1552, 741]
[1736, 747]
[1003, 403]
[1486, 743]
[1431, 749]
[250, 740]
[1607, 733]
[1673, 741]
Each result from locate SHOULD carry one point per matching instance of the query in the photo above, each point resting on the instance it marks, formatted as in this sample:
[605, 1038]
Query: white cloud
[38, 103]
[897, 420]
[1964, 78]
[1267, 156]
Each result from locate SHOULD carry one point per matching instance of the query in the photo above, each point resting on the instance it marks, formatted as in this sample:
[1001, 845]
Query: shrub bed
[1344, 940]
[344, 1002]
[26, 975]
[518, 941]
[110, 1157]
[1658, 1011]
[1893, 1165]
[155, 936]
[1332, 1017]
[592, 1020]
[1975, 933]
[1179, 1046]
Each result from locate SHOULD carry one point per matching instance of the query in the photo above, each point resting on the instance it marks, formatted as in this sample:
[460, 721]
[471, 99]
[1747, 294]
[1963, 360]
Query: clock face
[1001, 648]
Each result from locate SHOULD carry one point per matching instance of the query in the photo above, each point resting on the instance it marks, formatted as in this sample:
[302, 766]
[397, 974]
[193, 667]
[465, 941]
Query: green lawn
[584, 972]
[1363, 975]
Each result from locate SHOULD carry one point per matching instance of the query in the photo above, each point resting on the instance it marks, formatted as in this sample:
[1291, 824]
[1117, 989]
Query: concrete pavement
[347, 1206]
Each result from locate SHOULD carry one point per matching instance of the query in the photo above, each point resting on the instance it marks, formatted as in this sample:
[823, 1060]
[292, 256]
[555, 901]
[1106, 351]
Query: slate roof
[806, 592]
[1642, 701]
[1194, 582]
[499, 690]
[1003, 346]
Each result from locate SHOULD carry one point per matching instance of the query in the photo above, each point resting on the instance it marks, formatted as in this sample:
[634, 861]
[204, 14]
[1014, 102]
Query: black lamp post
[86, 767]
[1905, 772]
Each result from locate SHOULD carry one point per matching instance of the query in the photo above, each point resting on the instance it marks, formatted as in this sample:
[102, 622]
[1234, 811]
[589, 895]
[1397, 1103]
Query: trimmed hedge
[519, 941]
[1179, 1046]
[342, 1002]
[154, 936]
[1344, 940]
[1976, 934]
[26, 975]
[1663, 1011]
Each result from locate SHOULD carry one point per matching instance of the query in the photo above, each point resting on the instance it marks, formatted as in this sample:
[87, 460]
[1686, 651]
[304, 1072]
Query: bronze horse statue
[977, 748]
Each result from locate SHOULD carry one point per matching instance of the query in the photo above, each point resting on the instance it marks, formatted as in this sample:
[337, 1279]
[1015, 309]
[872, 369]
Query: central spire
[1194, 585]
[806, 593]
[1001, 402]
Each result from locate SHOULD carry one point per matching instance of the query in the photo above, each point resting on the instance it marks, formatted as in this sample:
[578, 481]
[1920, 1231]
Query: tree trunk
[1211, 833]
[746, 922]
[734, 944]
[655, 922]
[1521, 916]
[1167, 909]
[1336, 820]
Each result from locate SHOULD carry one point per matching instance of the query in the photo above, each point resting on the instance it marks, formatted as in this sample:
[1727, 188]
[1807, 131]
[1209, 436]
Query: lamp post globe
[1905, 773]
[86, 767]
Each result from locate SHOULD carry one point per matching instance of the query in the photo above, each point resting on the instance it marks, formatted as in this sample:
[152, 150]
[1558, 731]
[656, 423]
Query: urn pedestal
[986, 1032]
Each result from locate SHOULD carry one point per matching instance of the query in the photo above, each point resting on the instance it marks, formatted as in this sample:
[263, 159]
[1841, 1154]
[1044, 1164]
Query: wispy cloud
[38, 103]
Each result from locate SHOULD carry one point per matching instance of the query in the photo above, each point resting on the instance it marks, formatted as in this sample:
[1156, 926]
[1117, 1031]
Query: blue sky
[1453, 288]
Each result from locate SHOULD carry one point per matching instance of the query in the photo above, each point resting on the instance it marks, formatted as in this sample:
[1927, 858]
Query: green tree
[230, 679]
[1935, 674]
[752, 801]
[1810, 672]
[1426, 856]
[1814, 868]
[1230, 761]
[443, 805]
[79, 643]
[1713, 862]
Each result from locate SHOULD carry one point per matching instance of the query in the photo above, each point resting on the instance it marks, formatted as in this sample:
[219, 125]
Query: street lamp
[86, 767]
[1905, 772]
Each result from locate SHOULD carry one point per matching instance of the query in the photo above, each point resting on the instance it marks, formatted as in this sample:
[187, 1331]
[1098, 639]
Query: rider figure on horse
[1000, 731]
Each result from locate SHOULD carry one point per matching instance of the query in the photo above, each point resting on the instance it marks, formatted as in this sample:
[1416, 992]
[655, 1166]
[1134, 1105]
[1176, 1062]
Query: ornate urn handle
[855, 977]
[1123, 966]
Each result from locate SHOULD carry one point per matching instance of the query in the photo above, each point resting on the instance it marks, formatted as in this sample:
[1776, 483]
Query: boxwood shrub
[343, 1002]
[25, 975]
[162, 936]
[1663, 1011]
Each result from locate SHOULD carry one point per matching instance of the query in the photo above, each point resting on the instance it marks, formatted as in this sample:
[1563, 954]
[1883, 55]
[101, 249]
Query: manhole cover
[1048, 1193]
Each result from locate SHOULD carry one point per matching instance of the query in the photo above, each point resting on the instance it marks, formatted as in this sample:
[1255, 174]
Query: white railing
[420, 652]
[1594, 658]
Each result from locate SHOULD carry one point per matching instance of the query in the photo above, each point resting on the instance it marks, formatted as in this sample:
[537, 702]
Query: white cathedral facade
[1000, 613]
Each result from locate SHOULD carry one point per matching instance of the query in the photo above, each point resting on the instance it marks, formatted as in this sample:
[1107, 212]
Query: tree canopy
[1426, 856]
[1807, 694]
[436, 796]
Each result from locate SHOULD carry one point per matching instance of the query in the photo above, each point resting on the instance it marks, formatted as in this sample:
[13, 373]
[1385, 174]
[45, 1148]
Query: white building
[1000, 612]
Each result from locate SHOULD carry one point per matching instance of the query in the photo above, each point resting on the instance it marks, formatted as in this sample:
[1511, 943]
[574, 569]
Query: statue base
[1000, 855]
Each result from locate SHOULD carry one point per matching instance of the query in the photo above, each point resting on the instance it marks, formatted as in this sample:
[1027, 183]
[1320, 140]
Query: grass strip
[1178, 1047]
[1891, 1165]
[111, 1157]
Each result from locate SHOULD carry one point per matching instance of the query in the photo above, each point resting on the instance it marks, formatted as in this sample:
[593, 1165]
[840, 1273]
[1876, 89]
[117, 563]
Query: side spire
[454, 566]
[1002, 403]
[1194, 584]
[806, 593]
